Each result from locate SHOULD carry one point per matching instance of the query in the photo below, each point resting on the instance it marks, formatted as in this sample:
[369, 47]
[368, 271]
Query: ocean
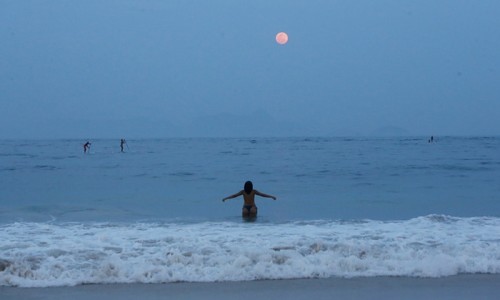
[346, 207]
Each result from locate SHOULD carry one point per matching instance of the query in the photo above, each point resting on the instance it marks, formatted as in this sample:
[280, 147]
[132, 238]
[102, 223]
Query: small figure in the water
[86, 147]
[122, 144]
[431, 140]
[248, 193]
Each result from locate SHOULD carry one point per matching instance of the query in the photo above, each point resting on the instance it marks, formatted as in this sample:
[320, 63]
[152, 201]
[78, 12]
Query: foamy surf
[47, 254]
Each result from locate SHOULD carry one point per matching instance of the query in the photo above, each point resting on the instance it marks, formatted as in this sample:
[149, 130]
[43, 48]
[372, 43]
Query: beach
[476, 286]
[362, 137]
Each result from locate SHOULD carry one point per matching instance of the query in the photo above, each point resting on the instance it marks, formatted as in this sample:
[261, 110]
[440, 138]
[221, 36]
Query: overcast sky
[90, 69]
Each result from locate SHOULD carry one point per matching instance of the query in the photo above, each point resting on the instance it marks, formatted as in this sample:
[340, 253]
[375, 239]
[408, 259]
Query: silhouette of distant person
[431, 140]
[86, 147]
[122, 144]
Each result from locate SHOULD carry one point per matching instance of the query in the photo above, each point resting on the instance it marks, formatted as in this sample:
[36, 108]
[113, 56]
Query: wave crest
[41, 254]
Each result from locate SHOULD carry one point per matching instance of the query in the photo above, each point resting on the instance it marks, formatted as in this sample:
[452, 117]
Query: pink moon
[282, 38]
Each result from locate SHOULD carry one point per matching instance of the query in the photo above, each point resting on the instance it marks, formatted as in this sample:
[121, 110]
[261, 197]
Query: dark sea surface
[346, 207]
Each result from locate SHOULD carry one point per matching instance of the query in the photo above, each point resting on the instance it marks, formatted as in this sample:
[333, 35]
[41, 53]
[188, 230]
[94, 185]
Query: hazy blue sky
[89, 69]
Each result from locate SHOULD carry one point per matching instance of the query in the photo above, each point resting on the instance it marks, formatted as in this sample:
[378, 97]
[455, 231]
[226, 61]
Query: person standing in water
[248, 193]
[86, 147]
[122, 144]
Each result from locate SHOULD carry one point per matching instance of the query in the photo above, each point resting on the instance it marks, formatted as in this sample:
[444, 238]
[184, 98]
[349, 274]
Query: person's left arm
[233, 196]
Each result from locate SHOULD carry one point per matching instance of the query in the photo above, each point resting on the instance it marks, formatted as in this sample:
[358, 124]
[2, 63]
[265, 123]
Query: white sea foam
[42, 254]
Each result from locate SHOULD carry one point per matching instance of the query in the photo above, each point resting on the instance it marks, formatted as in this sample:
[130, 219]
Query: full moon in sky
[282, 38]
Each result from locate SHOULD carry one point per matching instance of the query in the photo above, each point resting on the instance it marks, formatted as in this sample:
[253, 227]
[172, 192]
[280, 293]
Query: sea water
[345, 207]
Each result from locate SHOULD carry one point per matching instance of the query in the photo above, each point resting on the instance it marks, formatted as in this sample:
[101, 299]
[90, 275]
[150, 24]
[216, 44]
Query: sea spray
[41, 254]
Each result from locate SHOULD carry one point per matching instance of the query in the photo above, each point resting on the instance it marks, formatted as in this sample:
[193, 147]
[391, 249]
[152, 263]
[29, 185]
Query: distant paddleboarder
[248, 193]
[86, 147]
[122, 144]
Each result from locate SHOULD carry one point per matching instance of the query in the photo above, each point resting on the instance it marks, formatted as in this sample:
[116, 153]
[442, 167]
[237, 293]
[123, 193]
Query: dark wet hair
[248, 187]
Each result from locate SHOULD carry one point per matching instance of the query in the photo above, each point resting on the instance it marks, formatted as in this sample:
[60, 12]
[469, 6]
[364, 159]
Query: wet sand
[481, 286]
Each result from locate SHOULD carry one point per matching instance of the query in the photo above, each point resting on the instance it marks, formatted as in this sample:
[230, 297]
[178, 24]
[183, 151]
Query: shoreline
[470, 286]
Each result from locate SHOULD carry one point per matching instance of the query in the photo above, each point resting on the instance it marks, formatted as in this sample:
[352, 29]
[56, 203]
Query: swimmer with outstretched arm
[248, 193]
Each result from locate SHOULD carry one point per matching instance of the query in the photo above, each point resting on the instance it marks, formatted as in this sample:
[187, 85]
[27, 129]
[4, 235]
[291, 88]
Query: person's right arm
[264, 195]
